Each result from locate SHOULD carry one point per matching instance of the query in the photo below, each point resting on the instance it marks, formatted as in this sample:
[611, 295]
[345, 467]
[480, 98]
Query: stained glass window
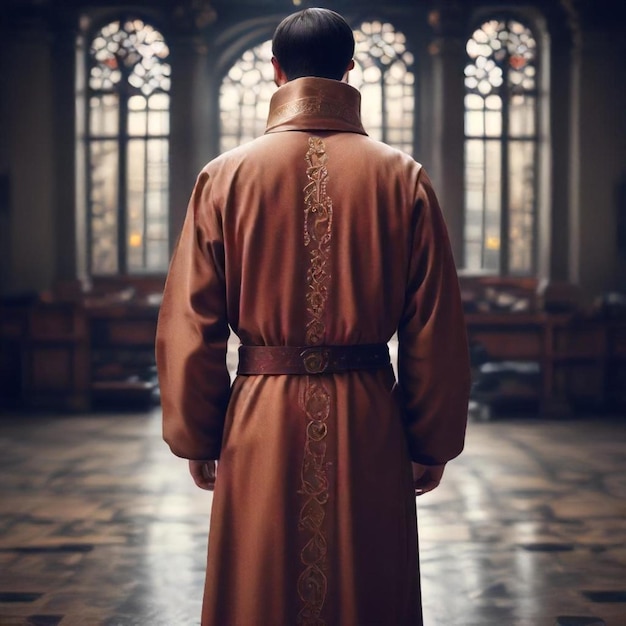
[245, 96]
[382, 73]
[128, 149]
[501, 148]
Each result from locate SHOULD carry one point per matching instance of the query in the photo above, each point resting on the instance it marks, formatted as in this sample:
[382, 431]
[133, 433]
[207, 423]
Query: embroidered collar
[315, 104]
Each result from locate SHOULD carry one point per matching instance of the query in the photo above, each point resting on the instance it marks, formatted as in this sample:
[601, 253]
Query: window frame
[505, 140]
[123, 92]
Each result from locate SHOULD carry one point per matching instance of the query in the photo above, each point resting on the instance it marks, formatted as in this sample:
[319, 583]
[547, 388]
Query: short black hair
[313, 42]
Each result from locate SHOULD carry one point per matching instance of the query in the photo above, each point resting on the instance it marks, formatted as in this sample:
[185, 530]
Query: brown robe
[313, 234]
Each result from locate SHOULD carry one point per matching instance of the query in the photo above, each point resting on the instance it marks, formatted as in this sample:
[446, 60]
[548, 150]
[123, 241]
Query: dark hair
[313, 42]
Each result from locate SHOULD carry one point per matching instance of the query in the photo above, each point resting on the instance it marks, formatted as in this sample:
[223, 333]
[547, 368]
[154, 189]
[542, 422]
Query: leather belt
[305, 360]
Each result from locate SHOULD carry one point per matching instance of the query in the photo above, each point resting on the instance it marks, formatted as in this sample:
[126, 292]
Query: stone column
[555, 35]
[5, 164]
[190, 108]
[556, 110]
[598, 155]
[448, 20]
[29, 265]
[70, 263]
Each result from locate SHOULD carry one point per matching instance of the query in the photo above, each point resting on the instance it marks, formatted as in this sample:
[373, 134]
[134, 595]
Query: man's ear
[350, 67]
[280, 78]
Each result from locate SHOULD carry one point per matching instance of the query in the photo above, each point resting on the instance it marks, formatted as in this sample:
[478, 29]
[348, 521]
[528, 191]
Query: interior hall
[108, 111]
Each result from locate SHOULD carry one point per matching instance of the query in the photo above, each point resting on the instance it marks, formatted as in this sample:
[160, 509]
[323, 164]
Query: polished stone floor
[100, 525]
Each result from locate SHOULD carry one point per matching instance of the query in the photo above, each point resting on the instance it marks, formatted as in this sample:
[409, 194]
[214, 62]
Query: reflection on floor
[100, 525]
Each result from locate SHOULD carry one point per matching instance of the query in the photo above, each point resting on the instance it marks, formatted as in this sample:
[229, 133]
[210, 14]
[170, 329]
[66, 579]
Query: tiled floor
[100, 525]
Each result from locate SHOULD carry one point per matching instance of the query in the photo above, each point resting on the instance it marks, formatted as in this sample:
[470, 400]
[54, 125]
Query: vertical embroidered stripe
[318, 217]
[318, 222]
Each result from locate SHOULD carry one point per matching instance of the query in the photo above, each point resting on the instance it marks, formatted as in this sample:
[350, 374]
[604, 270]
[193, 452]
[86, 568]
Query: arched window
[245, 96]
[382, 73]
[501, 149]
[128, 149]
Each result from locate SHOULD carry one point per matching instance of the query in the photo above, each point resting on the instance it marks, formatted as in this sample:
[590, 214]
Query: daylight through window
[501, 149]
[128, 149]
[383, 74]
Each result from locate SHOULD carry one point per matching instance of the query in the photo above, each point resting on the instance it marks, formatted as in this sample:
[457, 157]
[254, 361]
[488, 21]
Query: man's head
[312, 42]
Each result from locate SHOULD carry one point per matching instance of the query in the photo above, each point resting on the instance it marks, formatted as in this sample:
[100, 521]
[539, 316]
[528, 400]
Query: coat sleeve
[192, 334]
[433, 355]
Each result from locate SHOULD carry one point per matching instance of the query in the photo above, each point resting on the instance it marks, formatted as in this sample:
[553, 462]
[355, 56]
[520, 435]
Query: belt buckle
[315, 360]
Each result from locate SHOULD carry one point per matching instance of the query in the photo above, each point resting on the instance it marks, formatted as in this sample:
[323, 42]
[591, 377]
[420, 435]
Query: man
[315, 244]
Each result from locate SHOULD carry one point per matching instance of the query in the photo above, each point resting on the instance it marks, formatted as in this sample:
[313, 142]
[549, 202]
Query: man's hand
[203, 473]
[426, 477]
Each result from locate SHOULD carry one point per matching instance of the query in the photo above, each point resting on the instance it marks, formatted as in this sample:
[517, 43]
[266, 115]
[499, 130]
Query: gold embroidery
[318, 215]
[318, 221]
[312, 583]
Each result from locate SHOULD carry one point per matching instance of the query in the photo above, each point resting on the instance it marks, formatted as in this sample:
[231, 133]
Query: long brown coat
[313, 234]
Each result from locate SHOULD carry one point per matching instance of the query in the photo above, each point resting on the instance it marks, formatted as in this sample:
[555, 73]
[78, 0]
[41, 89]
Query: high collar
[315, 104]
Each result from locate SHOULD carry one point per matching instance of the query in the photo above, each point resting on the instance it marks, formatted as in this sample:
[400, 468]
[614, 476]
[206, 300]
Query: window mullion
[504, 197]
[122, 198]
[383, 104]
[144, 234]
[483, 247]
